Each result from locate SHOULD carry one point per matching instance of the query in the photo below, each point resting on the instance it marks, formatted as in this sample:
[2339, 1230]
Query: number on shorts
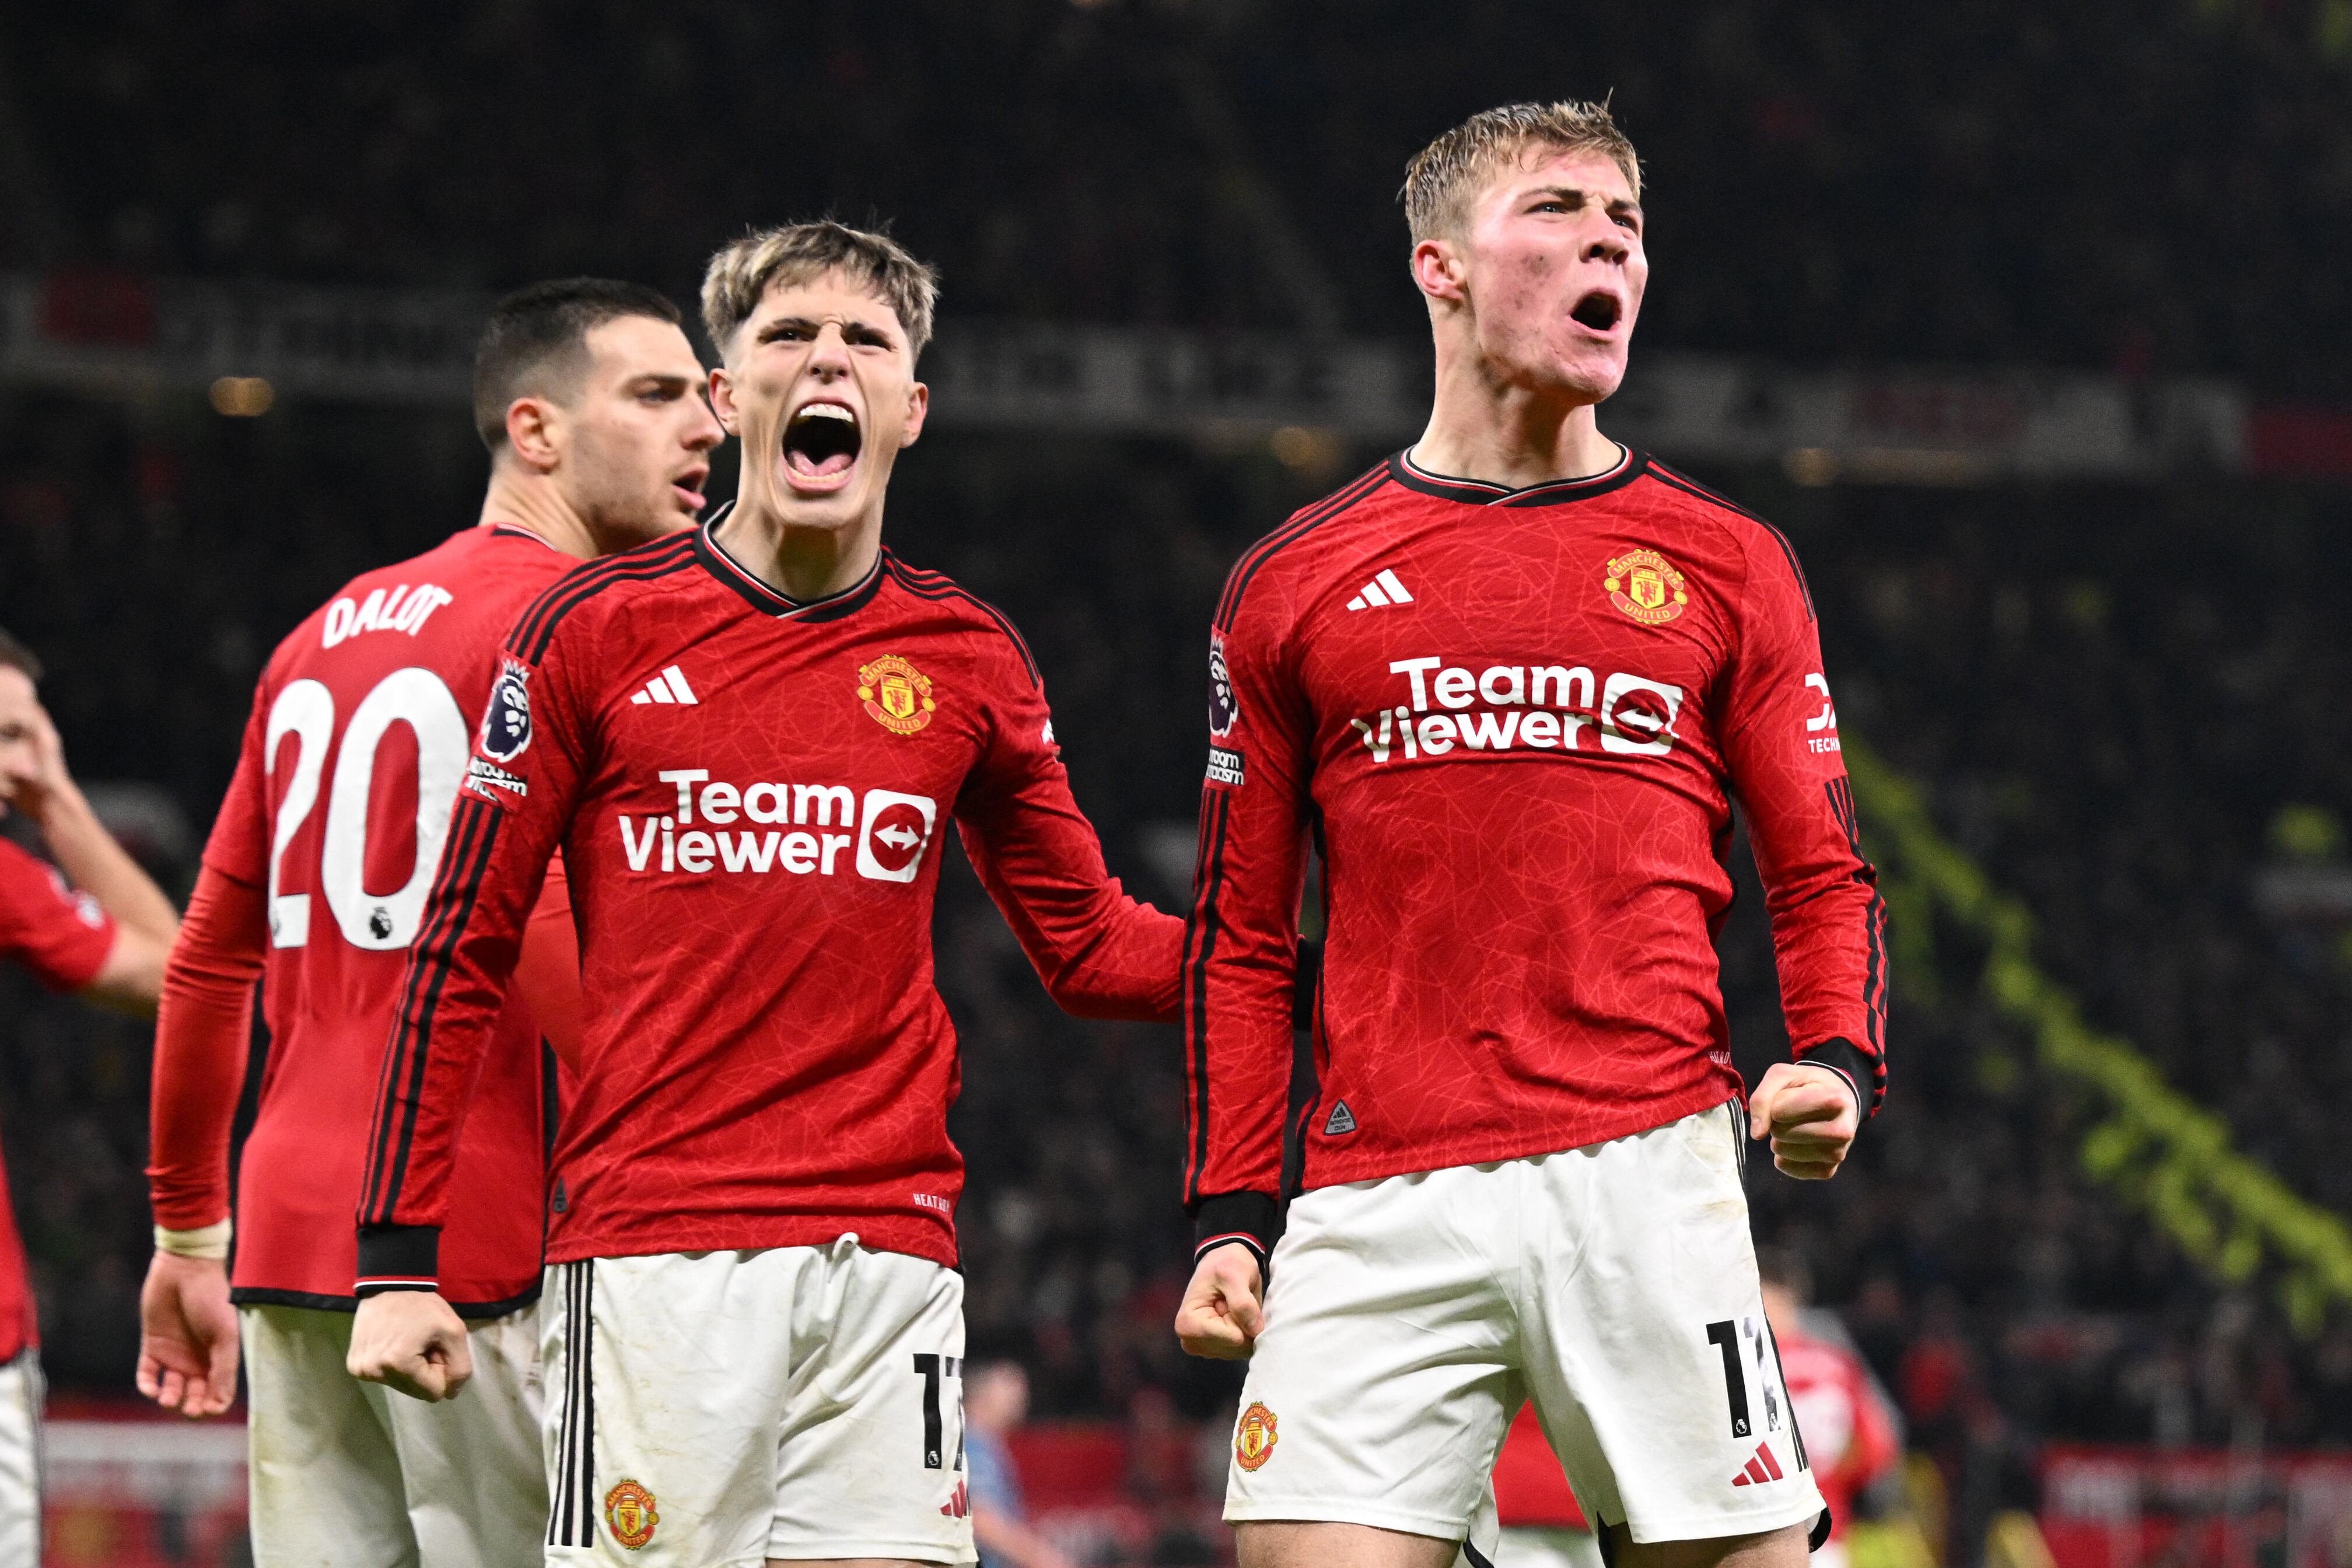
[930, 1368]
[1724, 1337]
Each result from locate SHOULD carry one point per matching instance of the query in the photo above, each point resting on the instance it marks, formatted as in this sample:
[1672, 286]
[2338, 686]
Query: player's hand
[1809, 1114]
[49, 783]
[1221, 1314]
[187, 1336]
[411, 1341]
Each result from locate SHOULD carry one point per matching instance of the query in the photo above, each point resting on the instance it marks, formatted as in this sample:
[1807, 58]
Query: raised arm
[1239, 970]
[1829, 923]
[1101, 954]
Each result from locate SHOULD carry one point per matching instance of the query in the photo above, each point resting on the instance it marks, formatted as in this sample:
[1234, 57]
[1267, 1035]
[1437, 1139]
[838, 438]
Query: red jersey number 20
[306, 709]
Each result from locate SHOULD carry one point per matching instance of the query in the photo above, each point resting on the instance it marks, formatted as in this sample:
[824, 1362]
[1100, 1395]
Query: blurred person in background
[1846, 1419]
[590, 399]
[1543, 1525]
[995, 1401]
[101, 932]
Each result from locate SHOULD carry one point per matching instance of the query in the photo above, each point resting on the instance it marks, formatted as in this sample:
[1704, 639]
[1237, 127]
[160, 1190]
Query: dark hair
[537, 336]
[14, 655]
[1786, 1267]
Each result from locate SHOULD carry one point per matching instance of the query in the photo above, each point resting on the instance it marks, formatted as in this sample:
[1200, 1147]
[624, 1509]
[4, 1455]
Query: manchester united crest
[896, 694]
[1646, 585]
[629, 1514]
[1254, 1438]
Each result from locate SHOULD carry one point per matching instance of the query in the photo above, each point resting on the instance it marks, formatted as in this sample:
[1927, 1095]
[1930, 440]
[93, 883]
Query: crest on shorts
[896, 694]
[1646, 585]
[1254, 1438]
[629, 1514]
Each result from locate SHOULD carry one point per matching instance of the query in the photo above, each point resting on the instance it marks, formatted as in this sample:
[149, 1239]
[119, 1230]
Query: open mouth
[1599, 310]
[688, 486]
[821, 444]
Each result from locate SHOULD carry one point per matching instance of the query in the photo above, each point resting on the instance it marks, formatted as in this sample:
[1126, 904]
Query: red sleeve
[1101, 954]
[1241, 943]
[1829, 925]
[517, 800]
[547, 974]
[62, 936]
[203, 1032]
[1874, 1449]
[239, 845]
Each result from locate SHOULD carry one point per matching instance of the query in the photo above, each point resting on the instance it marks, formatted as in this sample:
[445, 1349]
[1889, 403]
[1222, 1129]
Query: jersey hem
[1526, 1146]
[318, 1301]
[875, 1233]
[1324, 1510]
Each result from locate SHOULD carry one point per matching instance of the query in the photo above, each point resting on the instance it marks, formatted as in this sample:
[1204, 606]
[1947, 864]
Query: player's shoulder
[1288, 550]
[966, 610]
[592, 592]
[1711, 515]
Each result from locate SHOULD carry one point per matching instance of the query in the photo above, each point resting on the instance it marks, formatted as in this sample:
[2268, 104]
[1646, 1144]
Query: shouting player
[104, 937]
[1510, 682]
[747, 742]
[590, 399]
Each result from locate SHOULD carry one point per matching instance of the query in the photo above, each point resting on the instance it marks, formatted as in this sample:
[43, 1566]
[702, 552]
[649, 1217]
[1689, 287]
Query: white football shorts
[1528, 1547]
[1615, 1286]
[20, 1459]
[716, 1409]
[352, 1474]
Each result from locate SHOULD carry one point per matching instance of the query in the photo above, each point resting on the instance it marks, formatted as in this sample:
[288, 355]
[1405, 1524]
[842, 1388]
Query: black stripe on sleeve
[1691, 487]
[931, 585]
[1201, 938]
[556, 600]
[1229, 604]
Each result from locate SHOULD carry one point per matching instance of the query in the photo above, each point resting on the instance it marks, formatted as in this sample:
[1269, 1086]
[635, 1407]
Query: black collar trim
[766, 600]
[1629, 466]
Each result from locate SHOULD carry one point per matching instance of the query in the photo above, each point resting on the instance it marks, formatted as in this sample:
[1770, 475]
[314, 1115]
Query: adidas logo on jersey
[1341, 1121]
[1761, 1468]
[1381, 590]
[669, 686]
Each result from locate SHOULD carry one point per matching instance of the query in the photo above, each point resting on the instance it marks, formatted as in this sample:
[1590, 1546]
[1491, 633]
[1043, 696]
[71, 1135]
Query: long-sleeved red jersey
[1513, 723]
[747, 791]
[63, 937]
[316, 876]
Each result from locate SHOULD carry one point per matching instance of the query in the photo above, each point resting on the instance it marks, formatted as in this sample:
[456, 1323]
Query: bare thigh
[846, 1562]
[1783, 1548]
[1287, 1543]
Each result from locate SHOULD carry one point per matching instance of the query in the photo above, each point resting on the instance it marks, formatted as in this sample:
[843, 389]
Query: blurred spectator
[995, 1401]
[1850, 1439]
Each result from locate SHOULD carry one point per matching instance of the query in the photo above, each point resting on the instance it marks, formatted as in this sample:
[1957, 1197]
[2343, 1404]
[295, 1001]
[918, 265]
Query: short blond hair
[1445, 176]
[801, 252]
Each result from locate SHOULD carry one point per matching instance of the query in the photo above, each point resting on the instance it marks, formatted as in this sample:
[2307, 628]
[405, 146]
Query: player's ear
[722, 400]
[919, 404]
[1437, 268]
[532, 432]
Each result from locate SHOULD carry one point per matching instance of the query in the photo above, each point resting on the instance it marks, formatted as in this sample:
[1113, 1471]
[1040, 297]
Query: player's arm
[547, 971]
[187, 1328]
[1829, 923]
[510, 817]
[130, 976]
[1101, 954]
[1240, 973]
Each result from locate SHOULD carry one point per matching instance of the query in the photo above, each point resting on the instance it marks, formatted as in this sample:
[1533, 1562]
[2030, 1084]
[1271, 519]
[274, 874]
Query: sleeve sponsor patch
[506, 723]
[1224, 766]
[1225, 712]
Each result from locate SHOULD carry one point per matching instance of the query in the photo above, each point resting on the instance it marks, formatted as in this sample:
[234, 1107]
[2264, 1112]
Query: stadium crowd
[2110, 695]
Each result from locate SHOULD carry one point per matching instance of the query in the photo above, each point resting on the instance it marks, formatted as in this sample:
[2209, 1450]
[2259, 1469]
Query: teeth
[826, 411]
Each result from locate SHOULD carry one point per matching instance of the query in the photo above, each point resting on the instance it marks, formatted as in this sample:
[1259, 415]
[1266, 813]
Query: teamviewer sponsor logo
[884, 835]
[1514, 707]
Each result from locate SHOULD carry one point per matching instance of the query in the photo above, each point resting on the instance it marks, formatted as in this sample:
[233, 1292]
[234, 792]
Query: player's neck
[802, 562]
[1501, 434]
[537, 507]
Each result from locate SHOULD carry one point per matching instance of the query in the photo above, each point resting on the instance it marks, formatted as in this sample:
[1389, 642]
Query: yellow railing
[2151, 1143]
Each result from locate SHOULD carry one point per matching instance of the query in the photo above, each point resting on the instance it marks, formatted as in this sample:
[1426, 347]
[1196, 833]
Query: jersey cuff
[398, 1257]
[1851, 1063]
[1247, 1219]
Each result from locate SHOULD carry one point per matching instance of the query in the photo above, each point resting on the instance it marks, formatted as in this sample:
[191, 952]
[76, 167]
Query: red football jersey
[747, 791]
[1513, 722]
[358, 744]
[63, 937]
[1850, 1438]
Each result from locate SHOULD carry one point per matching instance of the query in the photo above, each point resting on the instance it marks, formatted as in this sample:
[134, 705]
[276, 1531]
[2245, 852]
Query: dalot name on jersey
[882, 834]
[397, 610]
[1451, 709]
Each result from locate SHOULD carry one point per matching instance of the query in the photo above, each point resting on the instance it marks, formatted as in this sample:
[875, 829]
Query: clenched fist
[1222, 1314]
[1809, 1114]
